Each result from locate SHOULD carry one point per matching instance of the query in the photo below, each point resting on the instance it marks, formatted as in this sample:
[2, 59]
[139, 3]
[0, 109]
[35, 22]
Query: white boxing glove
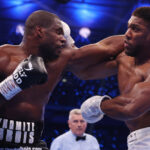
[91, 110]
[67, 34]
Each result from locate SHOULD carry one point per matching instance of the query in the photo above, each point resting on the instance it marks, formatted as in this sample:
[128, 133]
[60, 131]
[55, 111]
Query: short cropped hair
[142, 12]
[74, 112]
[39, 18]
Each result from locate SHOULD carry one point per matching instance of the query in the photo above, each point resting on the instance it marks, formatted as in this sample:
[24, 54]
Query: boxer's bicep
[98, 71]
[4, 61]
[139, 95]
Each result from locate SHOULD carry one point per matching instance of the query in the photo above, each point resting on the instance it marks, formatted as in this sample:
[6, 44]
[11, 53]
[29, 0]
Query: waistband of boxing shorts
[42, 145]
[138, 134]
[23, 148]
[15, 133]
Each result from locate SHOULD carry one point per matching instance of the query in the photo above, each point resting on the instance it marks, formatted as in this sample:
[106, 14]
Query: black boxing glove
[30, 71]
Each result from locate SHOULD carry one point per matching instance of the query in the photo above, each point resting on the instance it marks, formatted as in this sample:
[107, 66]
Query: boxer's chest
[130, 74]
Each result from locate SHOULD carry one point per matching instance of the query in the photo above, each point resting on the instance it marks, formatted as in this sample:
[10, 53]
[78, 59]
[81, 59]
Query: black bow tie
[80, 138]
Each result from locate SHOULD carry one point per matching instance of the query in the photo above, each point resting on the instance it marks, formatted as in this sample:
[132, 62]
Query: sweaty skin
[29, 105]
[94, 61]
[133, 104]
[132, 65]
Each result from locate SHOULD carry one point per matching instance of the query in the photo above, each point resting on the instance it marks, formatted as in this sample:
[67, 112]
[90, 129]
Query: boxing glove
[67, 34]
[91, 110]
[30, 71]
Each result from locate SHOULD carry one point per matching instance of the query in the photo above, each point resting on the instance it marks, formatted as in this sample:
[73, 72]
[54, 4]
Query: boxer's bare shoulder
[10, 56]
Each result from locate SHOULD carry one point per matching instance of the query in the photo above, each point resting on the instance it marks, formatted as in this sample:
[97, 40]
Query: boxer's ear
[39, 31]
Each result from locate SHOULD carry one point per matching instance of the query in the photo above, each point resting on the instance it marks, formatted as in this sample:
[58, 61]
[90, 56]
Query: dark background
[103, 18]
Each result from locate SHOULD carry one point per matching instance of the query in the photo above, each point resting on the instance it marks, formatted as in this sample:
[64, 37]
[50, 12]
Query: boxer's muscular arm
[97, 60]
[131, 105]
[30, 71]
[4, 61]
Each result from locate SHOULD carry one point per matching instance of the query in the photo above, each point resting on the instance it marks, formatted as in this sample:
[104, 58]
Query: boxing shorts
[20, 135]
[139, 139]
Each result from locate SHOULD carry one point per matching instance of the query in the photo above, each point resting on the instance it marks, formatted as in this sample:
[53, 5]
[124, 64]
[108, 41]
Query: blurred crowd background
[90, 21]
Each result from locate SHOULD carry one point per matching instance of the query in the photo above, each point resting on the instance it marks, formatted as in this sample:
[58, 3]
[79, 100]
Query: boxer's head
[137, 36]
[46, 31]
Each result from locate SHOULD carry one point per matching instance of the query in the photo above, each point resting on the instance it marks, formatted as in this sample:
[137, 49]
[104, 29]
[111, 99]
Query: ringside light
[85, 32]
[20, 29]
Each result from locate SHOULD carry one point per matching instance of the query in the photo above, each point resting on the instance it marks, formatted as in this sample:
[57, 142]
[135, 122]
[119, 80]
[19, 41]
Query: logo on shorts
[17, 131]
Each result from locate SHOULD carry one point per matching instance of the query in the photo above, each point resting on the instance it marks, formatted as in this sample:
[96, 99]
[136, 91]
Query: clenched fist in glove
[91, 110]
[30, 71]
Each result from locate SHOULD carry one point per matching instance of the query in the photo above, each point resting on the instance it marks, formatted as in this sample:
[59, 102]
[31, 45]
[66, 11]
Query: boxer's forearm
[98, 60]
